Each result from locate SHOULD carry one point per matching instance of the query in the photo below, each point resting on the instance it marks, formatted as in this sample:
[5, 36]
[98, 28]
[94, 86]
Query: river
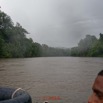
[57, 79]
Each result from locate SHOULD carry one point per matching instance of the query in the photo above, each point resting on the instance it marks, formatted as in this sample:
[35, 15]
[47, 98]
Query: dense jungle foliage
[15, 44]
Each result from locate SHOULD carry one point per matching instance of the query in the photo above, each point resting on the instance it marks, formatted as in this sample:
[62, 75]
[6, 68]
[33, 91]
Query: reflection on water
[67, 78]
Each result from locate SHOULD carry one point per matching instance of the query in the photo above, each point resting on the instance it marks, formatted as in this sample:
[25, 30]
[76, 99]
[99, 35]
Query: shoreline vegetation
[15, 44]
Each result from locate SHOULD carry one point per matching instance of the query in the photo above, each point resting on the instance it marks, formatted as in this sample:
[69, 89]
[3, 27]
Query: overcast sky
[57, 23]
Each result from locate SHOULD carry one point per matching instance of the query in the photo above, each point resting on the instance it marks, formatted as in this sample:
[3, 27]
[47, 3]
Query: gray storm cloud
[58, 23]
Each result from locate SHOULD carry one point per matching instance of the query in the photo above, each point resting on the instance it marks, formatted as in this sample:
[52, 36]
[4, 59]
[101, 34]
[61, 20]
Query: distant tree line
[15, 44]
[89, 46]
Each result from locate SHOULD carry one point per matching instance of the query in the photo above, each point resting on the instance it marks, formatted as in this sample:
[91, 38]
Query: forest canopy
[15, 44]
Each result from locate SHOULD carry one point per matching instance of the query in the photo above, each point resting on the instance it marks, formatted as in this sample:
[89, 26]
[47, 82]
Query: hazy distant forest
[15, 44]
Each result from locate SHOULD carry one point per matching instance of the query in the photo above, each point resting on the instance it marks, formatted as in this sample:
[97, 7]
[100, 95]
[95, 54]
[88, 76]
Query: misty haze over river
[70, 78]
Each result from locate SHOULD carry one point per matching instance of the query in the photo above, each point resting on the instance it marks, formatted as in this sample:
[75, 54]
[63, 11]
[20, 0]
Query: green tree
[97, 48]
[85, 45]
[36, 50]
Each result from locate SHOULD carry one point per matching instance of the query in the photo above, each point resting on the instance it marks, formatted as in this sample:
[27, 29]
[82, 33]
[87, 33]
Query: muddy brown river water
[56, 79]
